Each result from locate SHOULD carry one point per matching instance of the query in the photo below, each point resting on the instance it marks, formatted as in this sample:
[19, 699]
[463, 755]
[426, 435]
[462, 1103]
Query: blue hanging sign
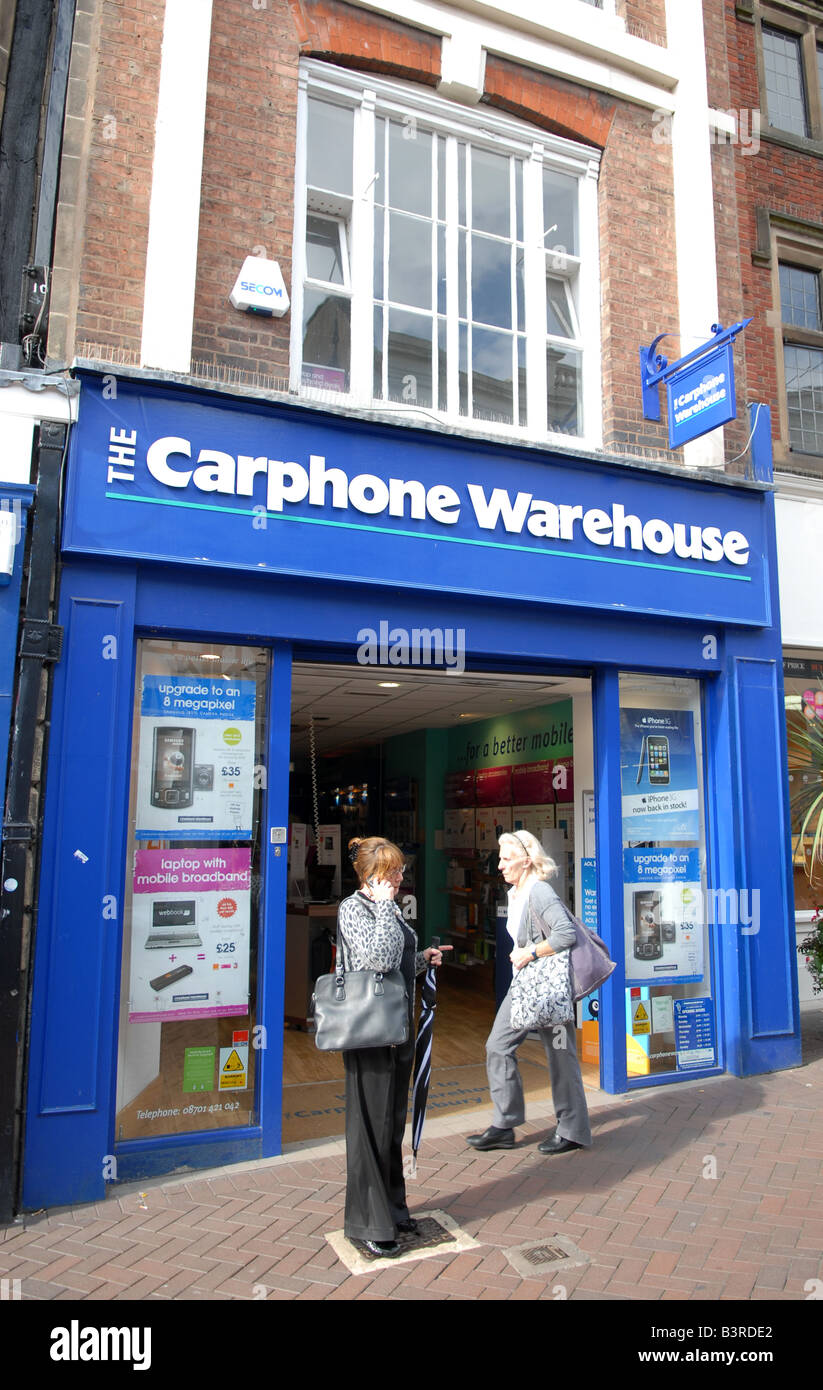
[699, 387]
[701, 396]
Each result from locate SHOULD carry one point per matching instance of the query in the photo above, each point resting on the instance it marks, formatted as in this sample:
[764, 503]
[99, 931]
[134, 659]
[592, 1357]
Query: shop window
[670, 914]
[802, 349]
[803, 684]
[188, 1037]
[790, 62]
[446, 261]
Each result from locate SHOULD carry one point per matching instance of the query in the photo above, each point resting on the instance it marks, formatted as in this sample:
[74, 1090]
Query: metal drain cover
[546, 1257]
[430, 1232]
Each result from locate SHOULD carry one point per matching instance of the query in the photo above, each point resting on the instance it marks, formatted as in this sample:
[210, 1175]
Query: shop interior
[441, 763]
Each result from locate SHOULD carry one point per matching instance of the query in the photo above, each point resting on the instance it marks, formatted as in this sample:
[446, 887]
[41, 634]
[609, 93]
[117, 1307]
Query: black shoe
[408, 1227]
[377, 1249]
[556, 1145]
[492, 1139]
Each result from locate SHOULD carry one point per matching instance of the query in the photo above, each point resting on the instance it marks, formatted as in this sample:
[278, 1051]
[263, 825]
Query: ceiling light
[389, 685]
[209, 656]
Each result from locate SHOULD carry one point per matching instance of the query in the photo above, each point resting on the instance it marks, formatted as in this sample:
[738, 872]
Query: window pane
[492, 392]
[379, 216]
[410, 357]
[441, 269]
[491, 282]
[442, 381]
[559, 320]
[804, 395]
[326, 340]
[491, 200]
[323, 260]
[786, 96]
[564, 382]
[800, 296]
[410, 167]
[441, 177]
[410, 261]
[560, 211]
[521, 378]
[380, 160]
[378, 353]
[330, 140]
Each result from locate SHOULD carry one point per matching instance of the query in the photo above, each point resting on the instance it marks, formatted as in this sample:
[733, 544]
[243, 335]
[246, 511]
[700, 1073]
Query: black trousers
[377, 1097]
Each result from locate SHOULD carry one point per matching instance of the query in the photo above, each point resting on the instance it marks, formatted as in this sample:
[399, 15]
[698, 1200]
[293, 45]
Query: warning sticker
[641, 1022]
[234, 1067]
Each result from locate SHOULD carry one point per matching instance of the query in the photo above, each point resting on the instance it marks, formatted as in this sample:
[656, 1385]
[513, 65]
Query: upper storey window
[446, 261]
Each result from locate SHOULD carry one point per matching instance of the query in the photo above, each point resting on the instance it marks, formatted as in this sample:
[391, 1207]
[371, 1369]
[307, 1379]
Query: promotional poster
[195, 776]
[663, 915]
[658, 774]
[190, 934]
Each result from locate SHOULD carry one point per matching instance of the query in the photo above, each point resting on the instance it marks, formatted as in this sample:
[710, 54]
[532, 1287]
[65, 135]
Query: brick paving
[708, 1190]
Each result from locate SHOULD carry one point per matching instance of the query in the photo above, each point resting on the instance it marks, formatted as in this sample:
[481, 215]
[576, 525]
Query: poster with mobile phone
[190, 934]
[663, 916]
[195, 778]
[658, 774]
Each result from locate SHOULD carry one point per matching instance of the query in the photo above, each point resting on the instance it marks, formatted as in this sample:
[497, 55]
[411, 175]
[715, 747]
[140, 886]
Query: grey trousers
[506, 1088]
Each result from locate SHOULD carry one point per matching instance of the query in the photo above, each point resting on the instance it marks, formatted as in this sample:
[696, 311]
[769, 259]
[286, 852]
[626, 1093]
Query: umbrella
[423, 1057]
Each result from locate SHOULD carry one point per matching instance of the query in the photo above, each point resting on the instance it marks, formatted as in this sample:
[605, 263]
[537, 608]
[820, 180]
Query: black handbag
[360, 1008]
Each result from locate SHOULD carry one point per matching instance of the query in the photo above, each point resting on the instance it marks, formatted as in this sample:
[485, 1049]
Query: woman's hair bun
[354, 846]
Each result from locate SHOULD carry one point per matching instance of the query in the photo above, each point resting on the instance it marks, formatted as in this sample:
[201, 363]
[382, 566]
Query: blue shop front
[217, 551]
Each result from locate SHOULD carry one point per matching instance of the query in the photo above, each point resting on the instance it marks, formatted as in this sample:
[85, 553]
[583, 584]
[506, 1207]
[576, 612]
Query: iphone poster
[658, 775]
[190, 934]
[195, 778]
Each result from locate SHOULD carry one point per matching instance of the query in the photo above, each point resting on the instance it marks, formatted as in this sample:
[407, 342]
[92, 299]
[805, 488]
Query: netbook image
[173, 925]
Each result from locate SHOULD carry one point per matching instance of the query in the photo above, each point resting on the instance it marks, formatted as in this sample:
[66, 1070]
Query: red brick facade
[248, 180]
[779, 180]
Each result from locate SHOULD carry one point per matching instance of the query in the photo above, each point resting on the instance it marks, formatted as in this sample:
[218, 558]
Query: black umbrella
[423, 1056]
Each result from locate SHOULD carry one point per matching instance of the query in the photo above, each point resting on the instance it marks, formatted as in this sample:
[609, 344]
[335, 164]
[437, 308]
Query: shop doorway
[442, 763]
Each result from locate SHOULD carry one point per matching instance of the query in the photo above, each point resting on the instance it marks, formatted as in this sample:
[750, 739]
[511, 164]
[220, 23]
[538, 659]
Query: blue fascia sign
[699, 387]
[178, 475]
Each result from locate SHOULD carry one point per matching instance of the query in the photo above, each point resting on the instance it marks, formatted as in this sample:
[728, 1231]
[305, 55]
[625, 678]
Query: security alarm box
[259, 288]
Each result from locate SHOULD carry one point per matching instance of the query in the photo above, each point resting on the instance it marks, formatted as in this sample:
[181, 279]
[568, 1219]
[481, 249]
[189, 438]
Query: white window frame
[368, 95]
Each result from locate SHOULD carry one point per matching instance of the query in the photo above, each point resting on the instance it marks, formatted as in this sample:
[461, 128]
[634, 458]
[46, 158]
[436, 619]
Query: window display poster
[532, 782]
[663, 915]
[694, 1034]
[190, 934]
[536, 819]
[195, 775]
[658, 774]
[490, 823]
[459, 789]
[493, 786]
[458, 828]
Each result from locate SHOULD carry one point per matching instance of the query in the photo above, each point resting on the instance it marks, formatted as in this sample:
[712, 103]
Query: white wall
[800, 569]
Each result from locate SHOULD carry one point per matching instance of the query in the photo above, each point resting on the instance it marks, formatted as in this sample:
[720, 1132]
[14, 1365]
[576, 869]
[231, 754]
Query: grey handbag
[360, 1008]
[589, 960]
[541, 995]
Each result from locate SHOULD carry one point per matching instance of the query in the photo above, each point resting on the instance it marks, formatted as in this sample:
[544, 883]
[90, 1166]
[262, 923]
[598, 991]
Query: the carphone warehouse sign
[700, 396]
[188, 477]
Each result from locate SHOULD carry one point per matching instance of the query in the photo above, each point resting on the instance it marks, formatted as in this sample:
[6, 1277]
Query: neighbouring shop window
[669, 912]
[803, 677]
[790, 65]
[446, 263]
[800, 312]
[188, 1035]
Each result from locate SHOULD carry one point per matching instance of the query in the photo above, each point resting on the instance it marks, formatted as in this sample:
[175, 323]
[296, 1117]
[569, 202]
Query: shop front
[585, 649]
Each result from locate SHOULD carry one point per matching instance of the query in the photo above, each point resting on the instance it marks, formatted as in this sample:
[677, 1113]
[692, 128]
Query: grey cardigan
[550, 915]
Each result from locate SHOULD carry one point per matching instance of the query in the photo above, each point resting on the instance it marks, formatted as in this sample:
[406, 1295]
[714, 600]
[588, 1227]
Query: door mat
[438, 1234]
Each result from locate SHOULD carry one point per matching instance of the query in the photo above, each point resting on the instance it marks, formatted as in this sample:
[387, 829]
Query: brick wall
[120, 118]
[646, 19]
[248, 175]
[785, 181]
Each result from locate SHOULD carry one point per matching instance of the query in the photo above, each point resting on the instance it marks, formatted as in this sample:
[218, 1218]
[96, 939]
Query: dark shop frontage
[285, 626]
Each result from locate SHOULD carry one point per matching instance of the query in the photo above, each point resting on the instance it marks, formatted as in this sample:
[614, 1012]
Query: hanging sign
[701, 396]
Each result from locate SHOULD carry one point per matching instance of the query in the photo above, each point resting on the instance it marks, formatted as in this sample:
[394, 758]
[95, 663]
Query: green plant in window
[806, 744]
[812, 949]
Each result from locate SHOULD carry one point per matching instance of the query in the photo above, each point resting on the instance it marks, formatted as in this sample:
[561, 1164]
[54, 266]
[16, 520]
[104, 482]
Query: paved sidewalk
[705, 1190]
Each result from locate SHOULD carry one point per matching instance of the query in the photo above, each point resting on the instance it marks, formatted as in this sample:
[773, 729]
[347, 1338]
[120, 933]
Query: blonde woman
[525, 866]
[373, 935]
